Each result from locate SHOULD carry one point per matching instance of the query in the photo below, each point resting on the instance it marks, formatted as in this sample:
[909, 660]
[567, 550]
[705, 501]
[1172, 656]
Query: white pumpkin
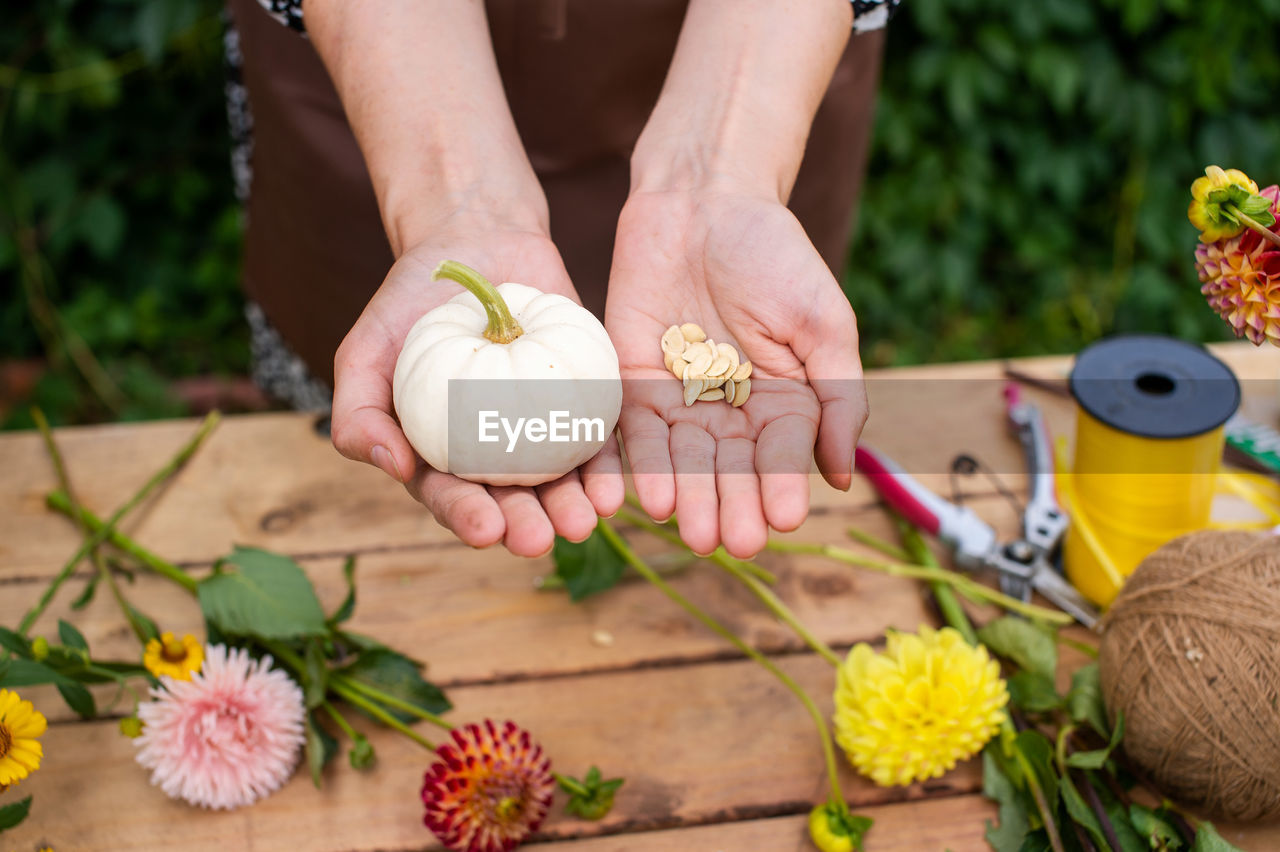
[506, 385]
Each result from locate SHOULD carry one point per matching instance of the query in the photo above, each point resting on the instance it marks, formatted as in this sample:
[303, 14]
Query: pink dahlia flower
[1240, 277]
[228, 736]
[488, 790]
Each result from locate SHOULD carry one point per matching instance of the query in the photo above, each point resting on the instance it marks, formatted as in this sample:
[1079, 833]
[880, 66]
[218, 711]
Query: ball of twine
[1191, 653]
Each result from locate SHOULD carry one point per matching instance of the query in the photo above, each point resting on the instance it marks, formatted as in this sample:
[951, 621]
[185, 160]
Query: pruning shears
[1024, 563]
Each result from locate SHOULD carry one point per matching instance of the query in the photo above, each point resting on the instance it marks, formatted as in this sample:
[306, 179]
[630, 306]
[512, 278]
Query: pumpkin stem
[502, 327]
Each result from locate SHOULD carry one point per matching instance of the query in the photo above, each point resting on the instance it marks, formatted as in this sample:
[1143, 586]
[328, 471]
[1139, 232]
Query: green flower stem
[624, 550]
[104, 532]
[1042, 804]
[952, 611]
[340, 720]
[887, 548]
[95, 555]
[358, 700]
[502, 327]
[759, 589]
[390, 700]
[669, 531]
[930, 573]
[59, 502]
[1253, 224]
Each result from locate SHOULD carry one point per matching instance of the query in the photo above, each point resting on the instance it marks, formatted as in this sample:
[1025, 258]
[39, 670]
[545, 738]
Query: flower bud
[131, 727]
[40, 648]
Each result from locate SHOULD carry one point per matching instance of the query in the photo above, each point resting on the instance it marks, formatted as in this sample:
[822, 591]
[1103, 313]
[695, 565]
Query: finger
[363, 428]
[567, 507]
[647, 441]
[529, 530]
[783, 452]
[602, 479]
[465, 508]
[693, 455]
[742, 524]
[835, 373]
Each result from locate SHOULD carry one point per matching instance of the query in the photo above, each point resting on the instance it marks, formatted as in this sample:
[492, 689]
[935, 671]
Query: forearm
[421, 90]
[744, 85]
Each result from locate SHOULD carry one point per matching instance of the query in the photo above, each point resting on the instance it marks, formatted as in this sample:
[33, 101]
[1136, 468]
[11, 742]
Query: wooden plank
[470, 614]
[954, 823]
[698, 744]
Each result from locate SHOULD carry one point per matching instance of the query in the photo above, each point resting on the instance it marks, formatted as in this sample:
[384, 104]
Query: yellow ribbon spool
[1148, 453]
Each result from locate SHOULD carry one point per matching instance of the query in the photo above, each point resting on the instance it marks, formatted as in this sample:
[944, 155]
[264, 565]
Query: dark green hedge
[1026, 193]
[1028, 187]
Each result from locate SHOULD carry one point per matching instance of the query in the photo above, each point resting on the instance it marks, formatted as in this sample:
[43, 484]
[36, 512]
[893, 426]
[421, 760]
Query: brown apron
[581, 77]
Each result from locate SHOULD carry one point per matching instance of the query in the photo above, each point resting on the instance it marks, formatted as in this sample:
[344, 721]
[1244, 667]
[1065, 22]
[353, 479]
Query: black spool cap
[1154, 387]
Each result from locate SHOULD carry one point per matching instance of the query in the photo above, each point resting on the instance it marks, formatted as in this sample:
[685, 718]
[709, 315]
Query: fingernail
[382, 457]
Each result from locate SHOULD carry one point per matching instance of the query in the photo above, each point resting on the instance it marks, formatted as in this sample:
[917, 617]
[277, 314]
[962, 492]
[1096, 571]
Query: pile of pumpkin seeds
[710, 371]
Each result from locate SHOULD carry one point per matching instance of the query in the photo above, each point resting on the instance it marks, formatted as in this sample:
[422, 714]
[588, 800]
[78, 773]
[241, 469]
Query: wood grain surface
[717, 755]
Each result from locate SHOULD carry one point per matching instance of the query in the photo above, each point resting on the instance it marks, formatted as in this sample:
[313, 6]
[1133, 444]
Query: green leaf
[1118, 816]
[348, 605]
[1097, 758]
[587, 567]
[1159, 833]
[1084, 699]
[15, 642]
[78, 699]
[30, 673]
[321, 747]
[1208, 840]
[101, 225]
[1033, 692]
[1082, 814]
[316, 683]
[996, 785]
[86, 595]
[1038, 752]
[267, 596]
[11, 815]
[592, 797]
[1255, 204]
[149, 629]
[362, 755]
[398, 676]
[1031, 648]
[71, 637]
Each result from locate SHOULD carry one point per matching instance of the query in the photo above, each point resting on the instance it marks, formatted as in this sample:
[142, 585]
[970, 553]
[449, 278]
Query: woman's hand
[741, 267]
[364, 425]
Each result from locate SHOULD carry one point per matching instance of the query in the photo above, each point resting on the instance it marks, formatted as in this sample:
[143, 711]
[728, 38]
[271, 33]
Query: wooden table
[716, 754]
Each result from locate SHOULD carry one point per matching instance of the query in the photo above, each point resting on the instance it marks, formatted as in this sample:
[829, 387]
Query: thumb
[363, 426]
[829, 350]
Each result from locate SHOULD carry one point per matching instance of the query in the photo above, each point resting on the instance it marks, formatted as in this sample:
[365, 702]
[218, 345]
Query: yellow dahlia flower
[178, 659]
[1208, 196]
[20, 750]
[911, 713]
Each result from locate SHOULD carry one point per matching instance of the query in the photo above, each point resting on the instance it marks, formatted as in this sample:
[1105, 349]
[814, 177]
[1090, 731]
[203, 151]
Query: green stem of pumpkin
[502, 327]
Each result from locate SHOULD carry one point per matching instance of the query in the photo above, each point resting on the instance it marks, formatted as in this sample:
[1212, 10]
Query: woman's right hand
[364, 423]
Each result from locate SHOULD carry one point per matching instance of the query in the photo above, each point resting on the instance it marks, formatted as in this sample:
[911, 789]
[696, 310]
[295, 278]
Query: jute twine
[1191, 653]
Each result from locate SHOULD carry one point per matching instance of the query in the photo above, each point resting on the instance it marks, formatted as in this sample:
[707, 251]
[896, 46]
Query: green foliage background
[1026, 191]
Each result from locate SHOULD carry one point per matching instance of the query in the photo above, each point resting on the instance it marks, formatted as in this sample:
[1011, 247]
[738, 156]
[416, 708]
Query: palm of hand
[744, 270]
[525, 519]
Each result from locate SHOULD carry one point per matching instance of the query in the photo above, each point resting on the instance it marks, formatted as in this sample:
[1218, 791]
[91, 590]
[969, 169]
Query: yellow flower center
[6, 741]
[174, 651]
[508, 808]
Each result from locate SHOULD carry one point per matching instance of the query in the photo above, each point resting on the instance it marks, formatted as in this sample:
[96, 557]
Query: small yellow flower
[173, 657]
[1207, 199]
[911, 713]
[20, 750]
[833, 829]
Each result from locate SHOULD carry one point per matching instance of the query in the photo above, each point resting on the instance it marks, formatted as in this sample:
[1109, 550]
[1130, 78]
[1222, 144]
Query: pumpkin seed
[692, 389]
[741, 392]
[699, 359]
[720, 366]
[668, 359]
[729, 389]
[673, 341]
[743, 372]
[692, 332]
[678, 365]
[727, 350]
[711, 395]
